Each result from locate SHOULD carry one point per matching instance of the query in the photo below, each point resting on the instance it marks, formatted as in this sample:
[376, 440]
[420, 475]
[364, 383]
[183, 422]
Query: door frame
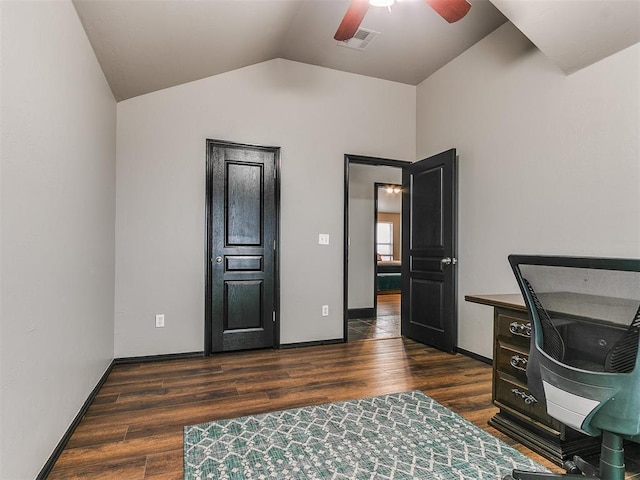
[208, 328]
[361, 160]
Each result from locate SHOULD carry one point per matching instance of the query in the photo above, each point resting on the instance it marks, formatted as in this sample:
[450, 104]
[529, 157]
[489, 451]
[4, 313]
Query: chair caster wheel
[571, 467]
[508, 477]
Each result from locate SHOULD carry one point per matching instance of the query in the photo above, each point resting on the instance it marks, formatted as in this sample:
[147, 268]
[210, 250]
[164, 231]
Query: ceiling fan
[450, 10]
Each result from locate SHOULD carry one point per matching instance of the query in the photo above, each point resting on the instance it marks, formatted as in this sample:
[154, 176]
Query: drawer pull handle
[528, 399]
[516, 360]
[520, 329]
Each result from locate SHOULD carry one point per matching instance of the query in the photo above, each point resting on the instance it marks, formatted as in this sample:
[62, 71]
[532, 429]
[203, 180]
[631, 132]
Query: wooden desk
[521, 415]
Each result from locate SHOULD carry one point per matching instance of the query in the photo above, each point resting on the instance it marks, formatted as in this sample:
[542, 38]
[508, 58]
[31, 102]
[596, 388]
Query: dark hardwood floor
[133, 429]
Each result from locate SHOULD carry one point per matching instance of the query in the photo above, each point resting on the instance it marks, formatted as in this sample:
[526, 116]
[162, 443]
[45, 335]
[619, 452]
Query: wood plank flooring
[388, 304]
[133, 429]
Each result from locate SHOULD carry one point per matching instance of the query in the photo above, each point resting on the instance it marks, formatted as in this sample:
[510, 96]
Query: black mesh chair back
[622, 357]
[552, 342]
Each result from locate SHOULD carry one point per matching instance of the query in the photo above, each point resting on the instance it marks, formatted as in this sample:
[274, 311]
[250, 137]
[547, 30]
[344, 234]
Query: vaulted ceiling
[148, 45]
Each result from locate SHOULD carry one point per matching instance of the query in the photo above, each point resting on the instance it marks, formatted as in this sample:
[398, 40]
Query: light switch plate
[323, 239]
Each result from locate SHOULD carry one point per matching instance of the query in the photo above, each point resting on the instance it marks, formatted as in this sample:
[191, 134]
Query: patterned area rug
[400, 436]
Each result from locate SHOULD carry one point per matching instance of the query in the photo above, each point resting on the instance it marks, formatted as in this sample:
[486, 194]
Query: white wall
[58, 213]
[361, 223]
[548, 163]
[316, 115]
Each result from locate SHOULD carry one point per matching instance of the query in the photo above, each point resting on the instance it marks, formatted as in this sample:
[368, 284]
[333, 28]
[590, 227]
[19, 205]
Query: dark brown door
[242, 228]
[429, 313]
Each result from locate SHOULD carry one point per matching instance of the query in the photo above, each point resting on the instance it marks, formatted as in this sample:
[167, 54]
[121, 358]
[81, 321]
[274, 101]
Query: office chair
[583, 357]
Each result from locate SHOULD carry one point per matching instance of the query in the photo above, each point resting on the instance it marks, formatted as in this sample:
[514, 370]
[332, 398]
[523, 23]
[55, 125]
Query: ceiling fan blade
[352, 20]
[450, 10]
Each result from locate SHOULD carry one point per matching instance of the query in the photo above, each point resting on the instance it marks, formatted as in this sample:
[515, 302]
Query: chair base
[521, 475]
[611, 465]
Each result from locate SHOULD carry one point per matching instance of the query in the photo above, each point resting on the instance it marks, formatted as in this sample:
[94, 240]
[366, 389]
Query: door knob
[218, 259]
[449, 261]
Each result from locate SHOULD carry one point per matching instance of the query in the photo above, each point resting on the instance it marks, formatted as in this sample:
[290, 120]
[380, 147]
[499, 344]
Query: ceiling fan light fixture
[381, 3]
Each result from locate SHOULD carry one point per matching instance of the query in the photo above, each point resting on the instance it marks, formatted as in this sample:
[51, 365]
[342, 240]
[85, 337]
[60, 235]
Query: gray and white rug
[399, 436]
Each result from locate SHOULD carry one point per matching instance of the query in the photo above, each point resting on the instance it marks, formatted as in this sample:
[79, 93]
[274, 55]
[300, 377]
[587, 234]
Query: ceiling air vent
[361, 40]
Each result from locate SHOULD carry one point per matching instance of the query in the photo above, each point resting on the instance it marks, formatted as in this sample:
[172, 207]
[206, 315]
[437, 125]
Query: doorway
[387, 238]
[428, 307]
[364, 315]
[242, 230]
[387, 248]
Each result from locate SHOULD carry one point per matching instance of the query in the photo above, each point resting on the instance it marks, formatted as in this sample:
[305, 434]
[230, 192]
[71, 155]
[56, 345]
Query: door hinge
[274, 316]
[274, 244]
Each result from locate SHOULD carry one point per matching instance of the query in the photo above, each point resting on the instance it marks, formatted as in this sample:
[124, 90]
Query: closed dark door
[429, 303]
[242, 228]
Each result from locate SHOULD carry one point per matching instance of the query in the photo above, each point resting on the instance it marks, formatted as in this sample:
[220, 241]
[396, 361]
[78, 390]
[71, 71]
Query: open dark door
[242, 225]
[429, 303]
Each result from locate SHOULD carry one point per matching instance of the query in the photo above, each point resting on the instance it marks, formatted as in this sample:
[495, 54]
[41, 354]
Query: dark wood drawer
[516, 396]
[528, 423]
[512, 361]
[513, 328]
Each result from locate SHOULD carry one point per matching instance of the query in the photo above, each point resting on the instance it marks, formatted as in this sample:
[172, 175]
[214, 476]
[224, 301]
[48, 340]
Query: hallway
[385, 325]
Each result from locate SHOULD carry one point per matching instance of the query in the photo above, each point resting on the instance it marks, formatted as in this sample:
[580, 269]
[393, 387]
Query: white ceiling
[576, 33]
[148, 45]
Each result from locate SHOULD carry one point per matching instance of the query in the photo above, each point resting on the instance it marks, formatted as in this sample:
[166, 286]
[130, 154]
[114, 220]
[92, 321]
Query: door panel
[244, 206]
[429, 312]
[243, 304]
[244, 263]
[242, 233]
[427, 200]
[426, 294]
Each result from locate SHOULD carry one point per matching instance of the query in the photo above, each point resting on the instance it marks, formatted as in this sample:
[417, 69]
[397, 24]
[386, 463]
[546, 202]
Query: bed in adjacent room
[388, 276]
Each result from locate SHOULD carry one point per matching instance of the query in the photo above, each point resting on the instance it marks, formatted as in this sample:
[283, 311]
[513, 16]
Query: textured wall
[58, 216]
[315, 115]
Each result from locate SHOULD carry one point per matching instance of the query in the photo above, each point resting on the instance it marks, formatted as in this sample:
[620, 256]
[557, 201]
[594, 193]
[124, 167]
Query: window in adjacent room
[384, 247]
